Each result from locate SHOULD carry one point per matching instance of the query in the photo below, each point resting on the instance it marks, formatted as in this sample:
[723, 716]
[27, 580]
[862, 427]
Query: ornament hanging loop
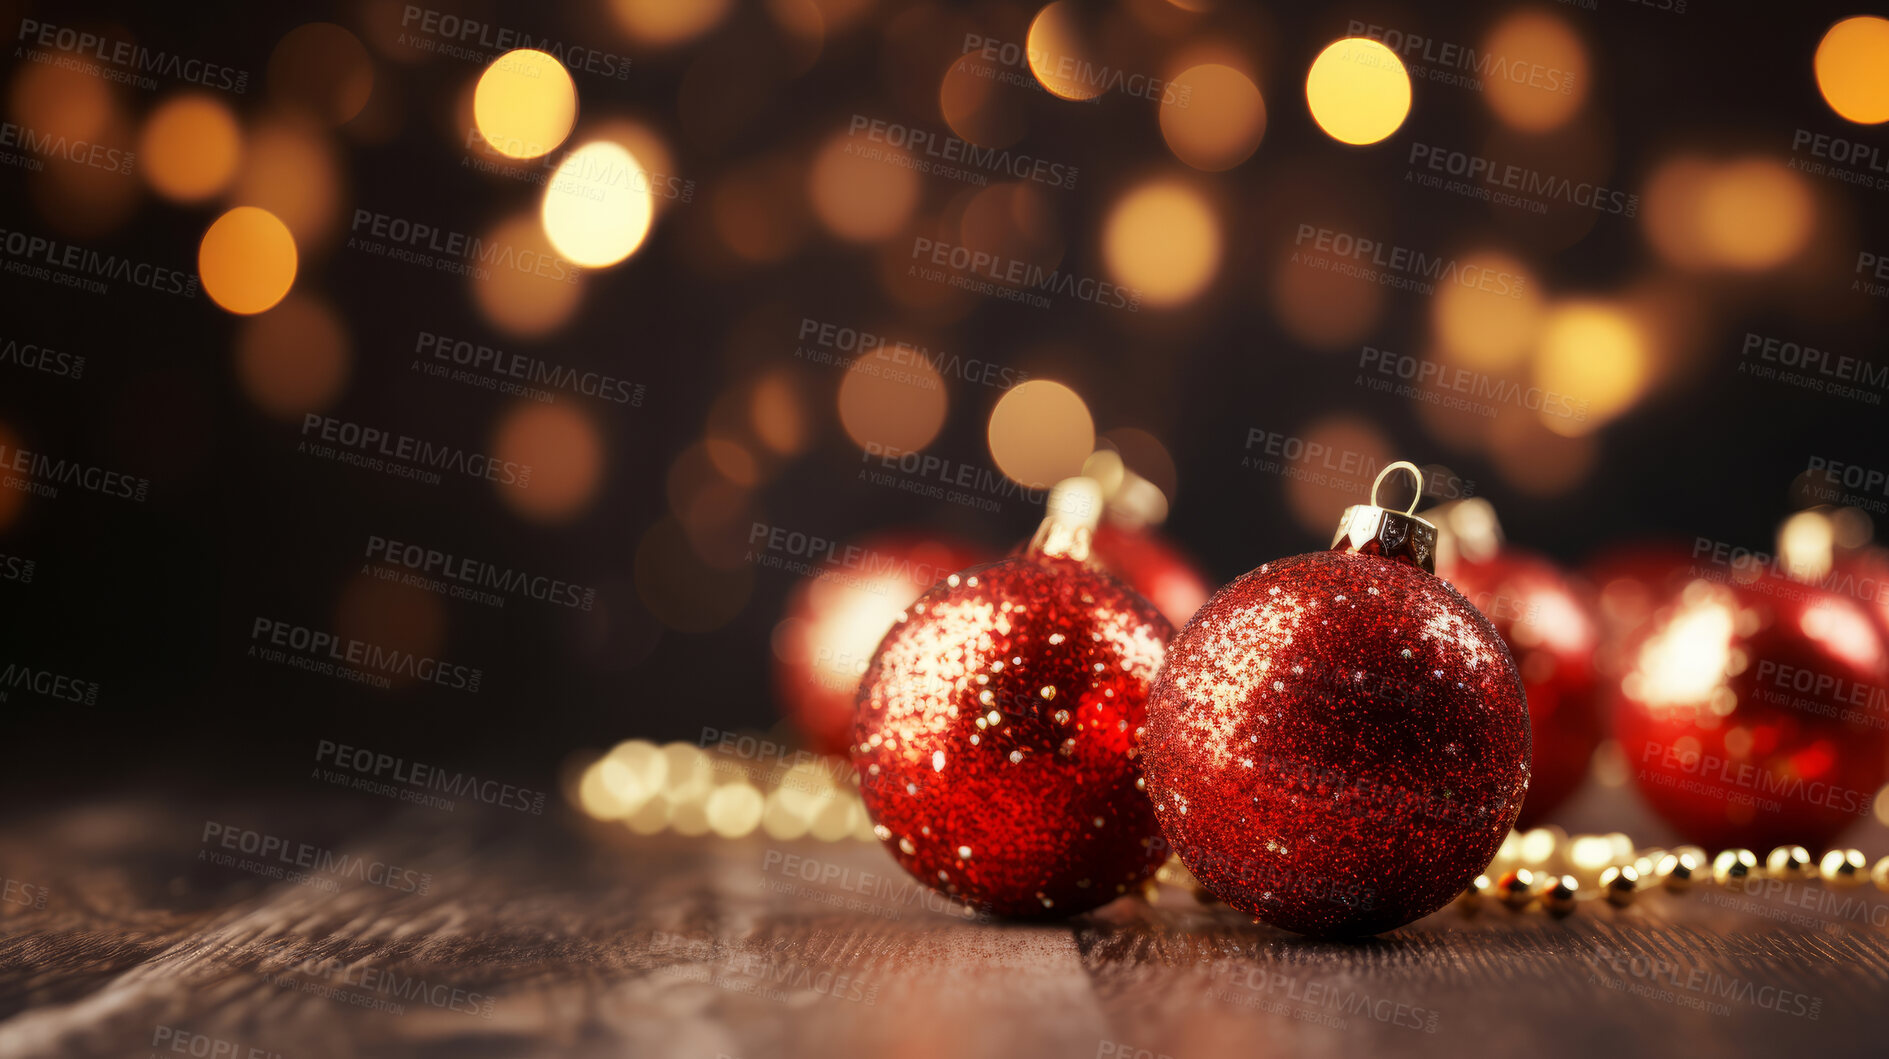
[1401, 536]
[1416, 475]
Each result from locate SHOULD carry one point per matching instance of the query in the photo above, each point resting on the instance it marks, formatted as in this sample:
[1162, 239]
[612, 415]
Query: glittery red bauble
[1548, 623]
[851, 594]
[996, 737]
[1754, 714]
[1154, 567]
[1338, 744]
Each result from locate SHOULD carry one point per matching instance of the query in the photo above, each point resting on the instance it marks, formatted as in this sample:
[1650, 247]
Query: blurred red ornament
[1339, 742]
[1552, 632]
[998, 726]
[838, 615]
[1129, 545]
[1753, 713]
[1153, 567]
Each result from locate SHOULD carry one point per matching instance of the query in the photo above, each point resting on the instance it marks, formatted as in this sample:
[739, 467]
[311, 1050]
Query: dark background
[153, 601]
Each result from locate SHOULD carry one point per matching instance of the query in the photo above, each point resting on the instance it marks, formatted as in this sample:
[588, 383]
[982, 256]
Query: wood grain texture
[545, 936]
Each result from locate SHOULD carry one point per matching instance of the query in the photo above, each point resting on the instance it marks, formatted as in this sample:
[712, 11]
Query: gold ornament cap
[1070, 516]
[1367, 529]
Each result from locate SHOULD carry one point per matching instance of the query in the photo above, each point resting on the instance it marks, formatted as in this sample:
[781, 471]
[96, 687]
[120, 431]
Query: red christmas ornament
[1552, 633]
[1154, 568]
[851, 596]
[1339, 743]
[998, 724]
[1751, 709]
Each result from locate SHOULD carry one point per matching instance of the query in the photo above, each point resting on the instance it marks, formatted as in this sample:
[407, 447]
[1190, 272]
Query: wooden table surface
[123, 932]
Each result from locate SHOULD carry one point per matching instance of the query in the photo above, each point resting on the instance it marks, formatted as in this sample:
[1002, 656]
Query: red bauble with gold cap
[1339, 741]
[999, 722]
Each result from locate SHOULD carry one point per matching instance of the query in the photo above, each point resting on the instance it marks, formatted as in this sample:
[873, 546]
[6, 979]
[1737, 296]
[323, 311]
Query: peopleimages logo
[334, 655]
[930, 147]
[372, 765]
[1492, 180]
[468, 577]
[36, 256]
[45, 474]
[369, 445]
[460, 34]
[450, 251]
[500, 366]
[45, 683]
[1397, 266]
[131, 60]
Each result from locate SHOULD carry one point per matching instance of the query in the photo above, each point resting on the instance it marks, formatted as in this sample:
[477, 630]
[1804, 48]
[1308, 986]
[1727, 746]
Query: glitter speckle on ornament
[1339, 741]
[999, 724]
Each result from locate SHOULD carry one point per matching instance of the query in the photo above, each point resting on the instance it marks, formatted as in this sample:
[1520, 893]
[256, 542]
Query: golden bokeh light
[891, 401]
[322, 69]
[756, 212]
[1747, 214]
[247, 260]
[597, 205]
[527, 301]
[294, 359]
[1162, 239]
[190, 147]
[1358, 90]
[1319, 488]
[525, 103]
[1057, 49]
[1323, 308]
[663, 23]
[1489, 329]
[1222, 121]
[393, 617]
[974, 108]
[1755, 214]
[290, 169]
[777, 414]
[1040, 433]
[565, 453]
[1537, 459]
[1852, 67]
[1596, 355]
[1538, 71]
[55, 101]
[858, 198]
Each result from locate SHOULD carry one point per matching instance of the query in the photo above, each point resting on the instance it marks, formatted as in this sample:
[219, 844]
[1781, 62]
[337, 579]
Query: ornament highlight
[1338, 743]
[999, 722]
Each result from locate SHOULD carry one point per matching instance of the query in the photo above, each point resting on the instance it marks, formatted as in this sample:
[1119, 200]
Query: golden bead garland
[690, 790]
[1546, 869]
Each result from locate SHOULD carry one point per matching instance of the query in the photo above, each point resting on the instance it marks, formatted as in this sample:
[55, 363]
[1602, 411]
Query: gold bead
[1646, 862]
[1559, 893]
[1843, 868]
[1880, 874]
[1516, 888]
[1620, 884]
[1676, 870]
[1788, 862]
[1734, 865]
